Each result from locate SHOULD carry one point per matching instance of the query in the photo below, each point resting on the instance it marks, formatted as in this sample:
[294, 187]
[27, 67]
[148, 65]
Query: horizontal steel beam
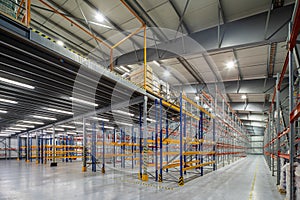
[248, 31]
[254, 86]
[252, 107]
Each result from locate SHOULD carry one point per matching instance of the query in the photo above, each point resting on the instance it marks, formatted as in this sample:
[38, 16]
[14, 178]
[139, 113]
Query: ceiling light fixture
[65, 126]
[59, 111]
[56, 129]
[123, 123]
[124, 68]
[83, 101]
[8, 101]
[71, 133]
[150, 120]
[155, 62]
[25, 126]
[42, 117]
[32, 122]
[109, 127]
[3, 111]
[60, 43]
[230, 64]
[243, 96]
[12, 132]
[16, 83]
[123, 112]
[5, 135]
[100, 119]
[18, 129]
[99, 17]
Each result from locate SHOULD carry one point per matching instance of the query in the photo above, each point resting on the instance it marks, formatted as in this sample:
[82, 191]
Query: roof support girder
[249, 31]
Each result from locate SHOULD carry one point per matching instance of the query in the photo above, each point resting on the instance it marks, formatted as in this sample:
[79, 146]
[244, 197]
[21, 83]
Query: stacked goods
[297, 182]
[164, 89]
[137, 77]
[282, 184]
[156, 84]
[288, 176]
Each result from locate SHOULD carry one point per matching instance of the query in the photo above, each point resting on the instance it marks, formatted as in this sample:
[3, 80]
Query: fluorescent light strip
[100, 119]
[109, 127]
[32, 122]
[65, 126]
[3, 111]
[124, 68]
[15, 128]
[42, 117]
[12, 132]
[83, 101]
[26, 126]
[59, 111]
[57, 129]
[8, 101]
[5, 135]
[123, 112]
[150, 120]
[123, 123]
[71, 133]
[16, 83]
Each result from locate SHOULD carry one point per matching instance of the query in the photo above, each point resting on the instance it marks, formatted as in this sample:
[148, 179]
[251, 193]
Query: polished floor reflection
[20, 180]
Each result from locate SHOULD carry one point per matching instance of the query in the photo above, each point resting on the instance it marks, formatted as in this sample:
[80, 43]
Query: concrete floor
[20, 180]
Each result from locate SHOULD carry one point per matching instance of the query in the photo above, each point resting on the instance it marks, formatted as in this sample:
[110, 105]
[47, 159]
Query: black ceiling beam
[253, 86]
[221, 9]
[244, 32]
[140, 11]
[180, 16]
[190, 69]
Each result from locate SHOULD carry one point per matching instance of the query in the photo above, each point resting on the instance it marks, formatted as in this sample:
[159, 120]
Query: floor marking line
[253, 183]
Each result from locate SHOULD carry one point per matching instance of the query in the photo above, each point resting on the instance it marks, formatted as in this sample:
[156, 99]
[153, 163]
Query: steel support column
[53, 163]
[94, 150]
[145, 130]
[278, 129]
[37, 151]
[167, 136]
[181, 181]
[201, 140]
[292, 129]
[19, 147]
[160, 141]
[27, 147]
[156, 142]
[141, 142]
[103, 149]
[84, 158]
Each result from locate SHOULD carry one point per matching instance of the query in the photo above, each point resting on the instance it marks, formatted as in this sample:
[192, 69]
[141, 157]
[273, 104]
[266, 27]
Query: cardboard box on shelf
[137, 77]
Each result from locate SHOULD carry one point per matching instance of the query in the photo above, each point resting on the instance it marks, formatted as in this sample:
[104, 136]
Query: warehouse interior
[143, 99]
